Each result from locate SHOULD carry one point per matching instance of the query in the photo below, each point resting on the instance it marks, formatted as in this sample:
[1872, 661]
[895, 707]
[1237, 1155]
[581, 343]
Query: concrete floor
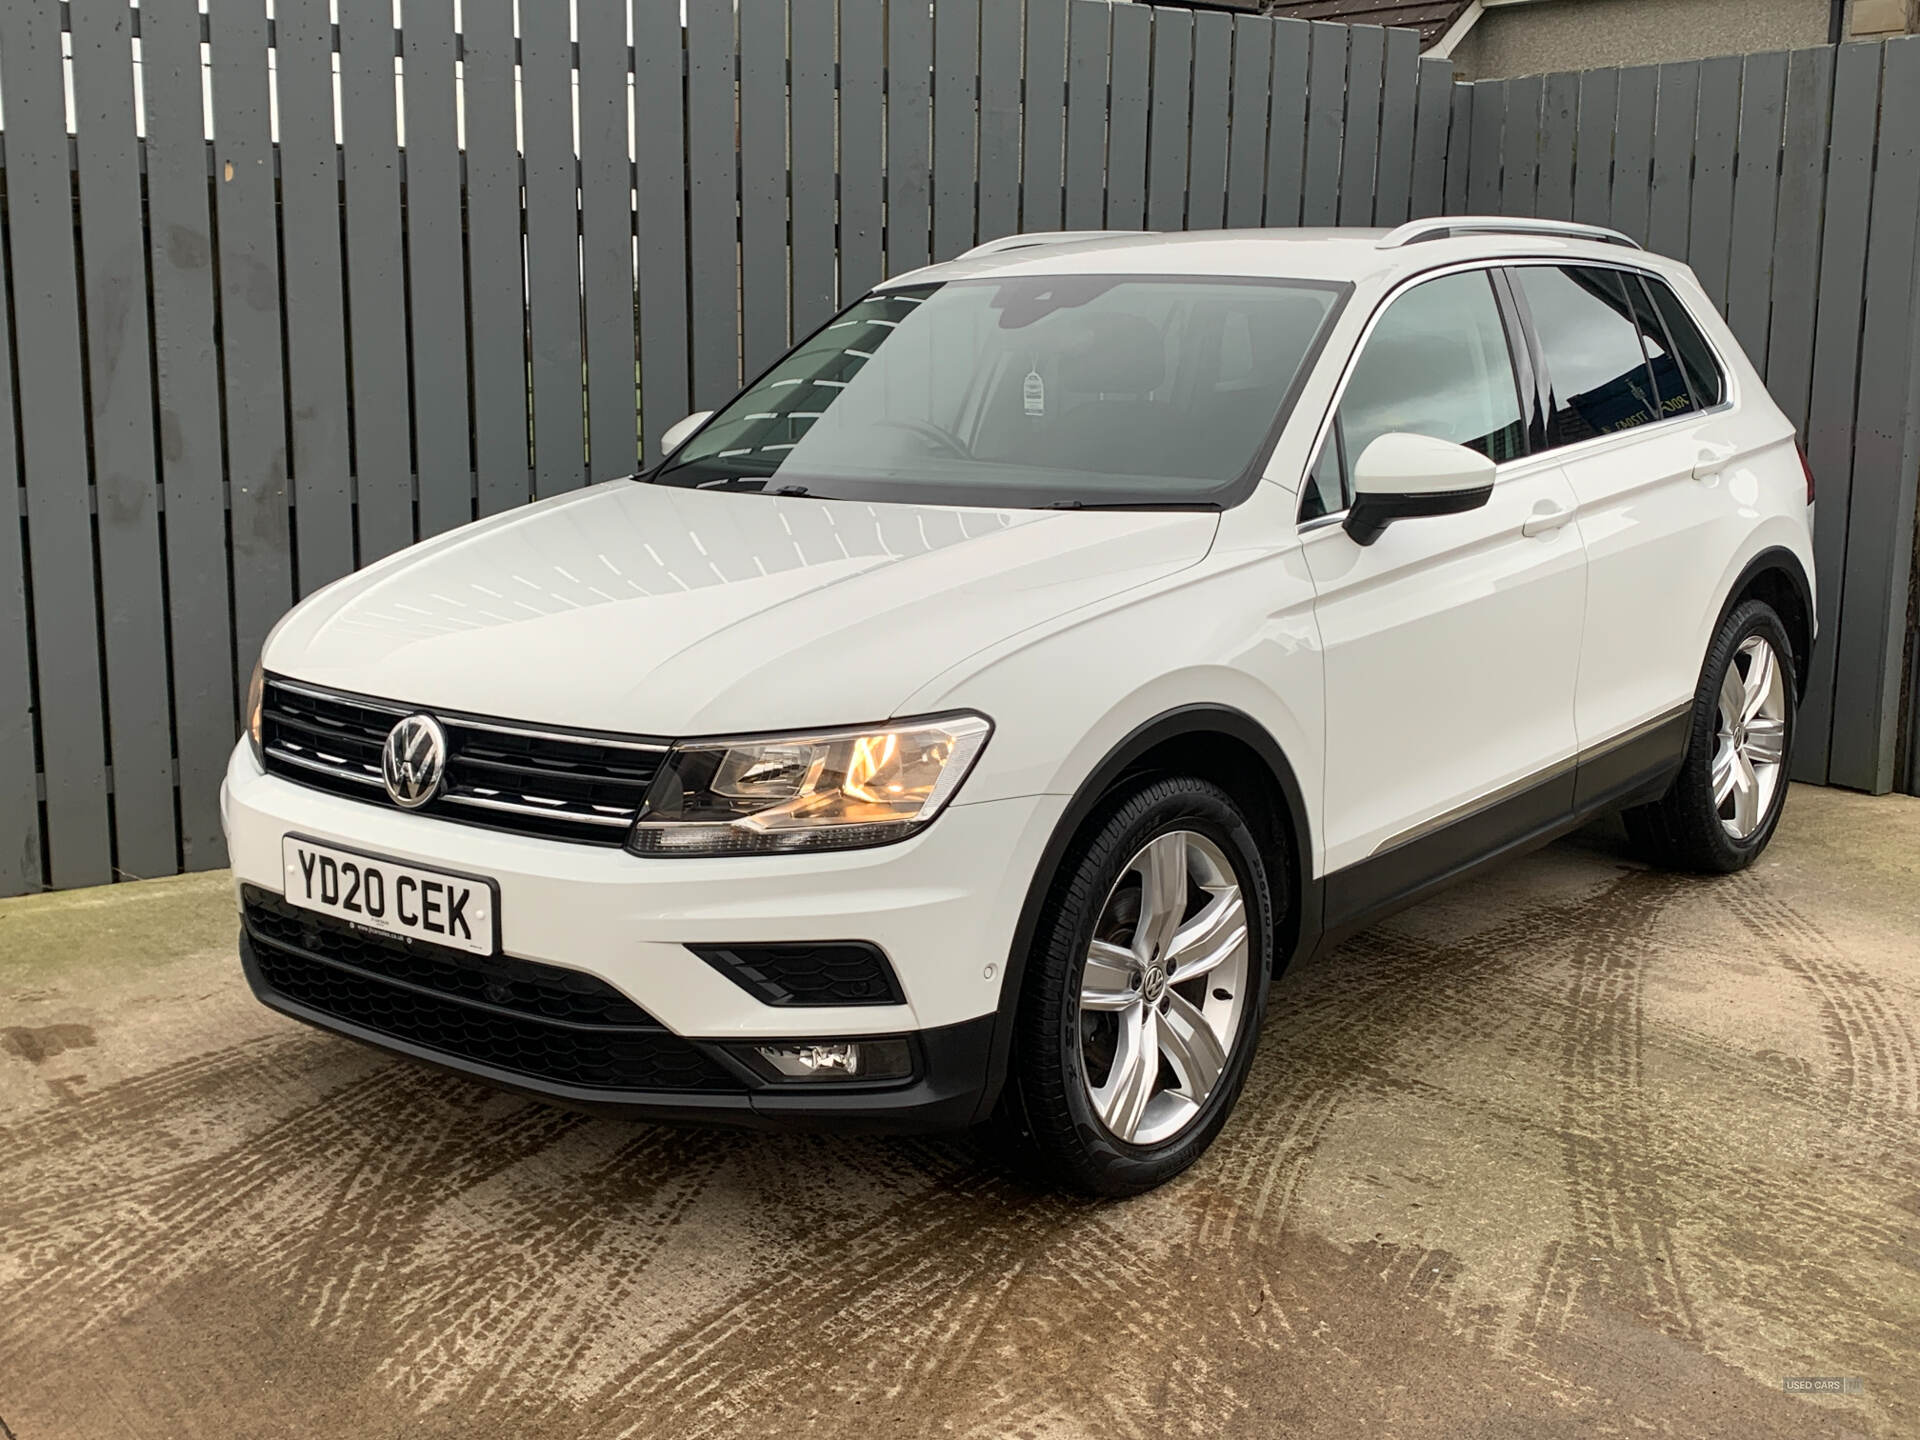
[1576, 1149]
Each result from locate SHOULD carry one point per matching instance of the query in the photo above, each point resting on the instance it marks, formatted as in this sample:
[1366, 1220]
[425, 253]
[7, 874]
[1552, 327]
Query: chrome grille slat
[547, 783]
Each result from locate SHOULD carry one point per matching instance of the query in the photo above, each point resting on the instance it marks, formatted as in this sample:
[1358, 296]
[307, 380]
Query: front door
[1452, 643]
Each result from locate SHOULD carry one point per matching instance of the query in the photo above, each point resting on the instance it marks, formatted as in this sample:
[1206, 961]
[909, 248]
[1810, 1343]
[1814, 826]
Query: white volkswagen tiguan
[972, 718]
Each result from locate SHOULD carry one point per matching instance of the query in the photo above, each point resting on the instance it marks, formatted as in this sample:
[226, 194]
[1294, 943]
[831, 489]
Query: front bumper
[942, 905]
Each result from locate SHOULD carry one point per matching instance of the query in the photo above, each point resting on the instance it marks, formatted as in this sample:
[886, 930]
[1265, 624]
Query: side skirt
[1629, 769]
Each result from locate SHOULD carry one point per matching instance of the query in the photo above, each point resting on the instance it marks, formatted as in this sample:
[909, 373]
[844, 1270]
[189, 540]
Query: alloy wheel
[1164, 988]
[1750, 744]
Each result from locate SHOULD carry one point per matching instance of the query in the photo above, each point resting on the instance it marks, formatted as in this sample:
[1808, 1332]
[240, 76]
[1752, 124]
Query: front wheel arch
[1151, 748]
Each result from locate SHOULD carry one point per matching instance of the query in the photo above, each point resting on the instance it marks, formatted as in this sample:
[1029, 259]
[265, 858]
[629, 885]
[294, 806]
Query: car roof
[1349, 255]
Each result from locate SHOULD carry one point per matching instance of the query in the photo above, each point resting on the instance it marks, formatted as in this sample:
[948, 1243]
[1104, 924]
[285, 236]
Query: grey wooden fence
[241, 358]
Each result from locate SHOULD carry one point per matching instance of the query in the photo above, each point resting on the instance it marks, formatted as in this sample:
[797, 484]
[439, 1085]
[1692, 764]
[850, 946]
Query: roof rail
[1444, 227]
[1044, 237]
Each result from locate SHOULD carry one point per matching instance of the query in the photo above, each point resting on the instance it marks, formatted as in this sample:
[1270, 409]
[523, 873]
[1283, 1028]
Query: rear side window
[1437, 363]
[1696, 356]
[1590, 340]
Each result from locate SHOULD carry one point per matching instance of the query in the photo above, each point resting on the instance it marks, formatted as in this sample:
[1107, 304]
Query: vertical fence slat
[999, 120]
[316, 331]
[1559, 123]
[909, 128]
[1520, 147]
[1670, 205]
[1433, 114]
[19, 781]
[1756, 192]
[956, 33]
[1872, 621]
[1169, 121]
[1393, 192]
[1836, 356]
[1247, 140]
[1127, 125]
[1089, 26]
[497, 295]
[1489, 135]
[1212, 83]
[1716, 132]
[250, 326]
[713, 214]
[1043, 144]
[1287, 121]
[437, 301]
[120, 395]
[376, 289]
[660, 173]
[1459, 149]
[813, 147]
[1633, 150]
[1593, 153]
[180, 260]
[1326, 105]
[764, 302]
[862, 29]
[1796, 241]
[1360, 144]
[553, 253]
[606, 243]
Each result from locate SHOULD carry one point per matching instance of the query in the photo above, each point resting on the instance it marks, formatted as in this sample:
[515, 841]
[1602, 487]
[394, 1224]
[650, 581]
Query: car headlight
[832, 790]
[250, 717]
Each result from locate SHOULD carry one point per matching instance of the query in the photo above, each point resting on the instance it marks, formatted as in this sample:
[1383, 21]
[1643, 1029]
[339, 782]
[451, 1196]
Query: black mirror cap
[1371, 513]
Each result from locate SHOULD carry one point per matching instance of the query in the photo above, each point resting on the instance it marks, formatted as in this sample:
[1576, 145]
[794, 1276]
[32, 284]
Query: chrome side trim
[1475, 806]
[1632, 733]
[1551, 773]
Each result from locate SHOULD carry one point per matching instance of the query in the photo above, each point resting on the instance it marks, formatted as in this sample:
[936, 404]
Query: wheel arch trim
[1174, 724]
[1776, 558]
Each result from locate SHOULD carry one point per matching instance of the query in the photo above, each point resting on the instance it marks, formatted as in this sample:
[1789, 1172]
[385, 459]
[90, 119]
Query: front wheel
[1144, 989]
[1723, 806]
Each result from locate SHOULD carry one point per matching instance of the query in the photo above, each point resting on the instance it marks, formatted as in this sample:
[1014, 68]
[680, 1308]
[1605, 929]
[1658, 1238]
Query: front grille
[505, 776]
[541, 1022]
[835, 972]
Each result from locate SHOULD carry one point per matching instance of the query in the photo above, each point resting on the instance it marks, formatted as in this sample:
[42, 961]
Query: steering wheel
[944, 440]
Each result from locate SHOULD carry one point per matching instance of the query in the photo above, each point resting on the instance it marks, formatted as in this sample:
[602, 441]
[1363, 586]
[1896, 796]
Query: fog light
[888, 1059]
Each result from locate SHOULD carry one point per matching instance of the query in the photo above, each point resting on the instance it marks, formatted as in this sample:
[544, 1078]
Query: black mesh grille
[845, 972]
[564, 787]
[539, 1021]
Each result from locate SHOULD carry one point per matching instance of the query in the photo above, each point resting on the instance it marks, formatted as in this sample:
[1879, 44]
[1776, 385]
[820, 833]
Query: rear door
[1451, 644]
[1638, 422]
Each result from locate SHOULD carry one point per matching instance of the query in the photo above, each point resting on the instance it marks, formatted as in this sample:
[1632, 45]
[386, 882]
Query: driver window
[1436, 364]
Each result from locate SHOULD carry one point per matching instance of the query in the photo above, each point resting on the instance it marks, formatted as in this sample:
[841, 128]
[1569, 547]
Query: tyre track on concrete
[1623, 1221]
[1875, 1051]
[559, 1272]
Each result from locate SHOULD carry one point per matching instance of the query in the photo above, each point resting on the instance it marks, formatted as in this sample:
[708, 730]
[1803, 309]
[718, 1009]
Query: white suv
[974, 716]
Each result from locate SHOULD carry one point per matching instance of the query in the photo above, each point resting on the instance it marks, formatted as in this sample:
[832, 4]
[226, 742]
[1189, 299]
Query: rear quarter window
[1696, 356]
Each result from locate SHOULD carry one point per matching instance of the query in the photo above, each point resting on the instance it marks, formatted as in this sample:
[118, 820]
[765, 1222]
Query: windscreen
[1059, 390]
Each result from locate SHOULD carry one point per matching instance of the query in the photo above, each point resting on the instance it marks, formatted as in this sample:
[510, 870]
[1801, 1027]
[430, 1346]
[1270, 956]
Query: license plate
[391, 896]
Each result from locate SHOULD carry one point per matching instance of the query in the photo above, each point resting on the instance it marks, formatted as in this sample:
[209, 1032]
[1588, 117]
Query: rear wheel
[1143, 993]
[1723, 806]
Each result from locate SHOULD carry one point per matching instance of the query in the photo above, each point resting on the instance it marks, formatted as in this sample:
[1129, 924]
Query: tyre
[1143, 992]
[1722, 807]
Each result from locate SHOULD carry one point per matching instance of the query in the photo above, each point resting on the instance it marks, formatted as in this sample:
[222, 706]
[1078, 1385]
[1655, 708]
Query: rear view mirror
[678, 433]
[1400, 476]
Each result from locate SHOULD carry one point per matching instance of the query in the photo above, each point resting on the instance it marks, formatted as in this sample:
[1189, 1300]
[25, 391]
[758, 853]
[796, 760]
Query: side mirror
[1400, 476]
[681, 431]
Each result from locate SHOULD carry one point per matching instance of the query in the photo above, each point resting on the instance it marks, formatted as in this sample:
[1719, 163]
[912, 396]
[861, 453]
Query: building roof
[1430, 17]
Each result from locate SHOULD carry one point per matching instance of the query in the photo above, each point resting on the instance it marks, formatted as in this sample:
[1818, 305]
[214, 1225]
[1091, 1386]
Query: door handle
[1713, 459]
[1545, 519]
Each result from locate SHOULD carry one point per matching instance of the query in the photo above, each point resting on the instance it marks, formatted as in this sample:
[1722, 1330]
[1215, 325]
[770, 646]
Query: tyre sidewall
[1097, 1160]
[1749, 619]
